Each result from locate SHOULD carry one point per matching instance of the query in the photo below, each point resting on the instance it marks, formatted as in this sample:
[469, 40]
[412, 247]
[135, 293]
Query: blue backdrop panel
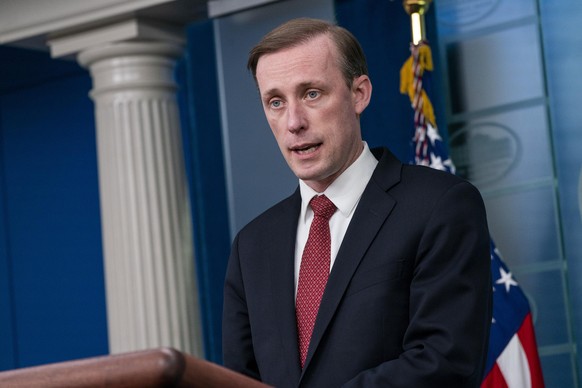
[200, 112]
[51, 233]
[7, 340]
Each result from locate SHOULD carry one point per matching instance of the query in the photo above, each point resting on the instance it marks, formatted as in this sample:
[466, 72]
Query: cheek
[275, 127]
[278, 132]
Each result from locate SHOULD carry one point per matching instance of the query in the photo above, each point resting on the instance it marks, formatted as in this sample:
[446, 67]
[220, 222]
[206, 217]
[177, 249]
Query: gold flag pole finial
[416, 9]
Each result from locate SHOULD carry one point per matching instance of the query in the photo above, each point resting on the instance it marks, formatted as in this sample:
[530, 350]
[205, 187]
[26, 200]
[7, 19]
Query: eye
[312, 94]
[275, 104]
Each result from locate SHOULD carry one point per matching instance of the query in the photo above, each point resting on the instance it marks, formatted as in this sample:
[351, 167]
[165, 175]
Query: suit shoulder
[394, 176]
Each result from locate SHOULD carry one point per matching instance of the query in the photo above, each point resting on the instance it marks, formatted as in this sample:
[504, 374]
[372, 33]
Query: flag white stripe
[514, 366]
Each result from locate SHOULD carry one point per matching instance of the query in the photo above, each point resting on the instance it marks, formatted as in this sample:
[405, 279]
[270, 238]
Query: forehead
[316, 56]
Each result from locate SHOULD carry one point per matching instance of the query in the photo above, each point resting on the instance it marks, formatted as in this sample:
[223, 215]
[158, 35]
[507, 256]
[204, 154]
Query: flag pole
[416, 9]
[411, 83]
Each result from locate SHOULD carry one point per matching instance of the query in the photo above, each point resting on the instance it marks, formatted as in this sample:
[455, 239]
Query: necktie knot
[322, 207]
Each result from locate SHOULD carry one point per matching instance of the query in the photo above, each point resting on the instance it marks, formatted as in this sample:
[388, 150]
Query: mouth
[306, 149]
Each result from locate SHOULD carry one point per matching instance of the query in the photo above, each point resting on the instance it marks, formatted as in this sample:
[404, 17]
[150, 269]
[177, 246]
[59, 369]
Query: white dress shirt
[345, 192]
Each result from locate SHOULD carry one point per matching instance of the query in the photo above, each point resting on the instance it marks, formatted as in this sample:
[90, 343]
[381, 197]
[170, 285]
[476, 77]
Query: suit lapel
[281, 272]
[373, 209]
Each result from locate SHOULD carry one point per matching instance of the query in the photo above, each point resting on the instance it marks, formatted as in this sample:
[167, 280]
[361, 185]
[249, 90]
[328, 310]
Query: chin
[313, 174]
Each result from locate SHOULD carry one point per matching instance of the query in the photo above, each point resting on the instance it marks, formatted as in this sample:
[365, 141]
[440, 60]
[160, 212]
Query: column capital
[125, 66]
[128, 49]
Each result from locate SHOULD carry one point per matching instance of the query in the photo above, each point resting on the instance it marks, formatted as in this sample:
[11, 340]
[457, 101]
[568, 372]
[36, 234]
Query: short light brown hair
[352, 60]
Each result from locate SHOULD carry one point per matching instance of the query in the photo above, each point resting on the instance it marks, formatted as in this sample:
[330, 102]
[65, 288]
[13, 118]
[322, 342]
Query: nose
[296, 120]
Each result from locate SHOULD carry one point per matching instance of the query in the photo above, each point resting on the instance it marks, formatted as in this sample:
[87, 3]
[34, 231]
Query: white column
[152, 300]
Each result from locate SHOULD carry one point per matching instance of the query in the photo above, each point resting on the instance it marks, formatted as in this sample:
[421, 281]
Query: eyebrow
[302, 86]
[269, 93]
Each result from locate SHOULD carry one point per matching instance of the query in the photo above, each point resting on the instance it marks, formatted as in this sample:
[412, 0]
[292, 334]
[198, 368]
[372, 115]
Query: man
[407, 299]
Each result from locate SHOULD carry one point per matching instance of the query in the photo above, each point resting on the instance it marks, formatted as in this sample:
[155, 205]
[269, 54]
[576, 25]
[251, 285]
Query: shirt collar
[346, 190]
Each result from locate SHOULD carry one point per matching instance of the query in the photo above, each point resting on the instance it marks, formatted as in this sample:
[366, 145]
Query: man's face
[311, 110]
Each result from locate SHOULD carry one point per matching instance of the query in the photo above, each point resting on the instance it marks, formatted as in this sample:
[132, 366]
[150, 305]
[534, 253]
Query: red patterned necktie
[314, 271]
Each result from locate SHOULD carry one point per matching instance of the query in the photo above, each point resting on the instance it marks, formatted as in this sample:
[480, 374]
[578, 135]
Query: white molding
[126, 30]
[218, 8]
[29, 22]
[27, 18]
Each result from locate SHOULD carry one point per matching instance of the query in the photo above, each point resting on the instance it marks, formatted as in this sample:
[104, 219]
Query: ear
[361, 92]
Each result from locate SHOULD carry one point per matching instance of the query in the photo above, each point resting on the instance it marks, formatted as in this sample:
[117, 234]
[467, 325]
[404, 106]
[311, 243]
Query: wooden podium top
[163, 367]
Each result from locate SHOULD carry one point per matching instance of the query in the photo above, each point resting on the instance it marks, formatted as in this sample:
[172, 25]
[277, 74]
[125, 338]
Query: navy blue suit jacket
[407, 303]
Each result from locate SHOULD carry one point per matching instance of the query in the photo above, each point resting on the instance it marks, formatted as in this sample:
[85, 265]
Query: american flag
[512, 360]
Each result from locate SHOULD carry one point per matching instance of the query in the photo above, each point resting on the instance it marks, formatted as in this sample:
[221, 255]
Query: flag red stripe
[494, 379]
[528, 342]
